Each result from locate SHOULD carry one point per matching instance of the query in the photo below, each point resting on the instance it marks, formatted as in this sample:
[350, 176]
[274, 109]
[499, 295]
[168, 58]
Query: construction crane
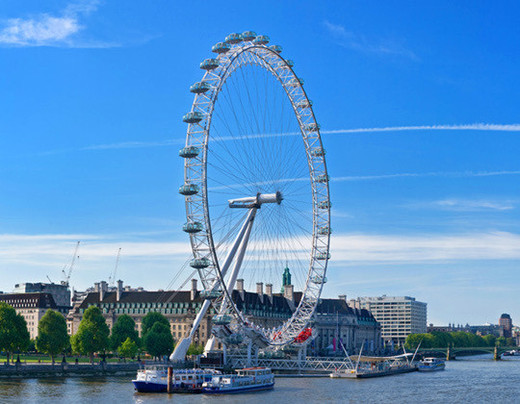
[112, 277]
[67, 273]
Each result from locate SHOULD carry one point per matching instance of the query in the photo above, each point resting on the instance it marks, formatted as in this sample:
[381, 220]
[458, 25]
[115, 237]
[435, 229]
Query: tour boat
[154, 379]
[513, 352]
[431, 365]
[247, 379]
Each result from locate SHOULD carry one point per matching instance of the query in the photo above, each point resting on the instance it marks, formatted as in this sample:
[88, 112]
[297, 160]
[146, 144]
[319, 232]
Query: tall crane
[67, 273]
[112, 277]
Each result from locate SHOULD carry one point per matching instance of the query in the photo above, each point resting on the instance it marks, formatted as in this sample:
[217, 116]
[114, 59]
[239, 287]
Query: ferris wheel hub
[256, 201]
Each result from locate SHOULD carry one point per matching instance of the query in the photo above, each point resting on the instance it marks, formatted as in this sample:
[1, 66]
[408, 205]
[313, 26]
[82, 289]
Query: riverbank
[43, 370]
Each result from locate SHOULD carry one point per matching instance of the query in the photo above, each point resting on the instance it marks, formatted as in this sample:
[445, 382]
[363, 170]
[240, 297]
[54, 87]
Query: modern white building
[399, 316]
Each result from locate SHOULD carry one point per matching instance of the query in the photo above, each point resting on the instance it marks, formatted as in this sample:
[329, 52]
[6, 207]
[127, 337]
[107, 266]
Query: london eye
[256, 186]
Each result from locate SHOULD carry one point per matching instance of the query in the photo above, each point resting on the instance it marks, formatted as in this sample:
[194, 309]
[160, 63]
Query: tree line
[93, 335]
[458, 339]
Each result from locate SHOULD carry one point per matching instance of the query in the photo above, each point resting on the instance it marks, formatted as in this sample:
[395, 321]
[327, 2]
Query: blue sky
[419, 115]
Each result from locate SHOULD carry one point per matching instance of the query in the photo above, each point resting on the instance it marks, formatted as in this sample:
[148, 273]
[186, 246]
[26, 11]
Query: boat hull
[144, 387]
[389, 372]
[431, 368]
[234, 390]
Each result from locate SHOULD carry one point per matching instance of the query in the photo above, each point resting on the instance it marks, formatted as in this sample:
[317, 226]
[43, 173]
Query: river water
[468, 380]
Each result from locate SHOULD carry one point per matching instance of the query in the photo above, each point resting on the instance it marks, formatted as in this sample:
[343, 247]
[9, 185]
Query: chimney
[119, 289]
[260, 291]
[269, 290]
[240, 287]
[102, 290]
[193, 294]
[342, 297]
[96, 287]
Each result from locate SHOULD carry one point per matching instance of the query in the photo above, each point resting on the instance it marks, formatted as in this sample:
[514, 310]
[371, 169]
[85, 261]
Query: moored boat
[367, 367]
[154, 379]
[431, 365]
[247, 379]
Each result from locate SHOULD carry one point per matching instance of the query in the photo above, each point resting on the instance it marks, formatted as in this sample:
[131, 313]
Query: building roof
[29, 300]
[251, 299]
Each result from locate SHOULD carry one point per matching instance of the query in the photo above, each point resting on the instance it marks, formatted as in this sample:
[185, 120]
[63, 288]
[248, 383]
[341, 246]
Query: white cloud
[363, 248]
[515, 127]
[472, 205]
[358, 42]
[50, 30]
[42, 30]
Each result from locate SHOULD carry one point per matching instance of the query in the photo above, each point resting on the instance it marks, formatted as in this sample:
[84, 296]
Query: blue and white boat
[430, 365]
[154, 379]
[247, 379]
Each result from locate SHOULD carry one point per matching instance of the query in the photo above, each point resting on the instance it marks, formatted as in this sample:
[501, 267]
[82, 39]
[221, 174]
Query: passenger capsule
[192, 227]
[220, 47]
[276, 48]
[312, 127]
[304, 104]
[289, 62]
[193, 117]
[200, 87]
[323, 256]
[199, 263]
[324, 230]
[222, 319]
[261, 40]
[322, 179]
[318, 152]
[295, 82]
[324, 205]
[319, 279]
[233, 38]
[248, 35]
[188, 189]
[210, 294]
[189, 152]
[209, 64]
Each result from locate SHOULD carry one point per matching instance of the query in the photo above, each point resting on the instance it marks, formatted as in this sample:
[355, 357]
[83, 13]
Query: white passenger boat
[431, 365]
[154, 379]
[247, 379]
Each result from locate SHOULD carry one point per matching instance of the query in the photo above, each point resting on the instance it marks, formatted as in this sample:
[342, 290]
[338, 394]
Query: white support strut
[182, 347]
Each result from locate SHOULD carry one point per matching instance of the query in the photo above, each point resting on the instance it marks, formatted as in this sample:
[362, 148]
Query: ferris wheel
[256, 187]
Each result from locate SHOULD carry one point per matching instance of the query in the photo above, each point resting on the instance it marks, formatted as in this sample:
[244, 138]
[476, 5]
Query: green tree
[52, 334]
[128, 349]
[150, 319]
[92, 335]
[123, 329]
[195, 349]
[14, 335]
[501, 341]
[490, 339]
[158, 341]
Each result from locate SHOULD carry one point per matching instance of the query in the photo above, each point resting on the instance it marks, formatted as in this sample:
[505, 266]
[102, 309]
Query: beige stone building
[32, 306]
[264, 308]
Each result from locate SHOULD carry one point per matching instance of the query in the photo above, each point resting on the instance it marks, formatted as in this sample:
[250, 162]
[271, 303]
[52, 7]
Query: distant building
[338, 325]
[59, 292]
[398, 316]
[506, 325]
[485, 329]
[32, 306]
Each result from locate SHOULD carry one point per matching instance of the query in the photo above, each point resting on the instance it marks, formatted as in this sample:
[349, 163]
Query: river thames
[476, 379]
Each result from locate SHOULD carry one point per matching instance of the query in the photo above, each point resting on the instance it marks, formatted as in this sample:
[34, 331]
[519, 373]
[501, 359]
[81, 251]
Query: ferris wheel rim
[203, 243]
